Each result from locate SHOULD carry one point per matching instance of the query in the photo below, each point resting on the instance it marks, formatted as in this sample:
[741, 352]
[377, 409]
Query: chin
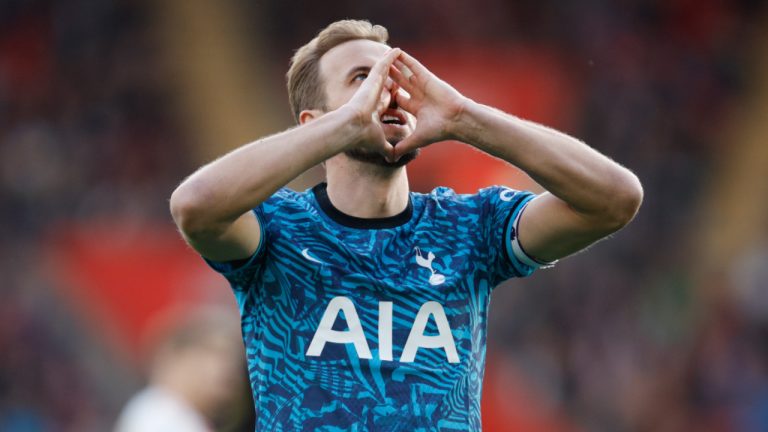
[378, 160]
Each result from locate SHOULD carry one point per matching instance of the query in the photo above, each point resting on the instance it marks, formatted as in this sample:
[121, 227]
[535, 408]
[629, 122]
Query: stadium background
[106, 105]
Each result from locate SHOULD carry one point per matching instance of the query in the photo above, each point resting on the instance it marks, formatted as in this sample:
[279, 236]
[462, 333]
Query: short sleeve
[241, 273]
[503, 207]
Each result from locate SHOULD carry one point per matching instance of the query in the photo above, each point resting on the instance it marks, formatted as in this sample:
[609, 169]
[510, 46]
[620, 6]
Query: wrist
[351, 124]
[461, 121]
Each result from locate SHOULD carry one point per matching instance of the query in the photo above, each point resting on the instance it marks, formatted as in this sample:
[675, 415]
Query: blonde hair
[305, 86]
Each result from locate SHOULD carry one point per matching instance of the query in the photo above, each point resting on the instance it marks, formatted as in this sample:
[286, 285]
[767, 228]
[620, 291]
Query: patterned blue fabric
[440, 264]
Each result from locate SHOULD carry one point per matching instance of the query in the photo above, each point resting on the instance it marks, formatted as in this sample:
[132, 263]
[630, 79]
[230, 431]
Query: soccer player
[364, 305]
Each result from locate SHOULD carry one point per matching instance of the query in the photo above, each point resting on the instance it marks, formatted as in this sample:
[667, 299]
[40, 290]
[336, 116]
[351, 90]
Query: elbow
[188, 206]
[626, 200]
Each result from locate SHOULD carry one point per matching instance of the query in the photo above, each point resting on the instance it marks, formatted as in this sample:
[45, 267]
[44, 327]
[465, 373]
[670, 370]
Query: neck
[365, 190]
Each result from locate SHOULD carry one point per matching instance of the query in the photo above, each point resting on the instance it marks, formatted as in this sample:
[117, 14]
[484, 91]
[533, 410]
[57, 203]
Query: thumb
[409, 143]
[385, 100]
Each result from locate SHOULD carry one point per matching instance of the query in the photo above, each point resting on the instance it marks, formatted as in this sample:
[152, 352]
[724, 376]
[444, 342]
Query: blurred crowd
[620, 338]
[85, 133]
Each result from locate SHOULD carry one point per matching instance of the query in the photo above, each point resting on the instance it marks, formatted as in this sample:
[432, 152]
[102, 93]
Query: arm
[589, 196]
[212, 207]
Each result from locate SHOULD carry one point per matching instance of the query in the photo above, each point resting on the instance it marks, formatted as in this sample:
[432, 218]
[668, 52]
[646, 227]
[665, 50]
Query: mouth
[393, 117]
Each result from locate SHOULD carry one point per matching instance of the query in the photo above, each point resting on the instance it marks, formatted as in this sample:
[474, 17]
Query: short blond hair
[305, 86]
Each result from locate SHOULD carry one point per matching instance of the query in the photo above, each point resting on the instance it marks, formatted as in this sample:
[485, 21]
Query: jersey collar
[321, 195]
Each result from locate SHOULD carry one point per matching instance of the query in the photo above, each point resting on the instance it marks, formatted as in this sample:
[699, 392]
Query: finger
[385, 100]
[389, 153]
[388, 97]
[408, 144]
[413, 64]
[403, 100]
[369, 93]
[386, 149]
[400, 78]
[389, 83]
[403, 68]
[378, 74]
[379, 144]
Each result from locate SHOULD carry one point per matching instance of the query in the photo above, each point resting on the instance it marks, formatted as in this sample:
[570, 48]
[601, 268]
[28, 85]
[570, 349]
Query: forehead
[343, 57]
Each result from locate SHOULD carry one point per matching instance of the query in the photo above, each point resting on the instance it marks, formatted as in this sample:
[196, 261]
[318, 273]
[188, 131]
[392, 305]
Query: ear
[307, 116]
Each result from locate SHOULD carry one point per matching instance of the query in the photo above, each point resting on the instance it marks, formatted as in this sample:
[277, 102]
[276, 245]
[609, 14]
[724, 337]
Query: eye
[360, 76]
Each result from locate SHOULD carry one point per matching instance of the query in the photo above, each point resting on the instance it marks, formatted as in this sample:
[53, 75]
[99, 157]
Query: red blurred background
[106, 106]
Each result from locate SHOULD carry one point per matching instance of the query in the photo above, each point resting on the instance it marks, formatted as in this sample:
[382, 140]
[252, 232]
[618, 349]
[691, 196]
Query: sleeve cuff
[516, 248]
[231, 267]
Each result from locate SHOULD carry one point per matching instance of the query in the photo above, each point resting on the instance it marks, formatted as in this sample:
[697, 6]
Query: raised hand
[368, 104]
[435, 104]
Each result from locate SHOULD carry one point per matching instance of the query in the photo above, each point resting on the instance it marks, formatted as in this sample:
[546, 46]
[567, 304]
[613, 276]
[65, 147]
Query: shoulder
[287, 210]
[442, 195]
[286, 196]
[494, 203]
[446, 196]
[286, 200]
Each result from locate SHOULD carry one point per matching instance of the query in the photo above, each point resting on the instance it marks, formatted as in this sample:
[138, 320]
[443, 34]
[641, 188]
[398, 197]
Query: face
[342, 70]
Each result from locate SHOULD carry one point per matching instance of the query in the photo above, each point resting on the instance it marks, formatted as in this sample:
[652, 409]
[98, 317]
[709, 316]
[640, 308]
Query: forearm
[220, 192]
[587, 181]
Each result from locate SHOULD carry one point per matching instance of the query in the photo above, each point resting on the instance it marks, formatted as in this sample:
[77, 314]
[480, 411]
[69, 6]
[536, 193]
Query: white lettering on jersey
[325, 332]
[416, 338]
[385, 331]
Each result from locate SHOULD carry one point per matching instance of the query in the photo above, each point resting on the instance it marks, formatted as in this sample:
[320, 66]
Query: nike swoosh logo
[305, 254]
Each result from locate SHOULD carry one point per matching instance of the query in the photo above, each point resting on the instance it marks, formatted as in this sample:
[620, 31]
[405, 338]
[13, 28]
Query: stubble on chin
[379, 160]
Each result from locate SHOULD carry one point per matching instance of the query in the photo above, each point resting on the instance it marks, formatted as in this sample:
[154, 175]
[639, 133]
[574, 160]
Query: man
[195, 377]
[364, 305]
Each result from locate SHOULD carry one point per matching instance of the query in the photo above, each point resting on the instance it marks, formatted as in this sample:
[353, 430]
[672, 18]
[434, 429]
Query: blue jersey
[374, 324]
